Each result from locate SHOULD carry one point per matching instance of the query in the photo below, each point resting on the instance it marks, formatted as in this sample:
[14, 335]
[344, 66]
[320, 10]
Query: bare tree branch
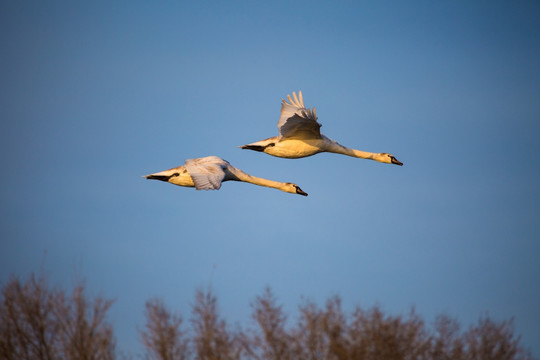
[163, 338]
[38, 322]
[212, 339]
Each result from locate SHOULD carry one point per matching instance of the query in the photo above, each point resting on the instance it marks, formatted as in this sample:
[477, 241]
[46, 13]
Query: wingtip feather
[297, 103]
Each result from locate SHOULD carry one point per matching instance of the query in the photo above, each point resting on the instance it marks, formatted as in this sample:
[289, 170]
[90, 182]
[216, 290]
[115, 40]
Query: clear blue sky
[94, 95]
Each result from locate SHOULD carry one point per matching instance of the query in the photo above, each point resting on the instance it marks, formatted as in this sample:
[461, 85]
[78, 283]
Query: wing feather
[297, 122]
[297, 103]
[207, 173]
[291, 101]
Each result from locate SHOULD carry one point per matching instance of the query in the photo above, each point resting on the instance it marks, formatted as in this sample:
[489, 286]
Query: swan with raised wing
[300, 136]
[209, 172]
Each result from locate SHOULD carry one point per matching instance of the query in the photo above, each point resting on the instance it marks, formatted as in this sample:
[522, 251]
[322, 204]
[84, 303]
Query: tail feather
[259, 148]
[160, 177]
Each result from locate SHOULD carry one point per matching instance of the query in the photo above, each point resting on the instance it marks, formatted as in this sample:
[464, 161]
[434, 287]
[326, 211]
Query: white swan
[300, 136]
[209, 172]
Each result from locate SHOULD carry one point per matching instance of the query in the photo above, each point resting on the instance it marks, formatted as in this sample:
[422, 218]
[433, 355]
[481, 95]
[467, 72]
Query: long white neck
[334, 147]
[239, 175]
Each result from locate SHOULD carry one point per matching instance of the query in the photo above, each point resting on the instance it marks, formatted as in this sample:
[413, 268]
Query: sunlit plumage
[300, 136]
[209, 172]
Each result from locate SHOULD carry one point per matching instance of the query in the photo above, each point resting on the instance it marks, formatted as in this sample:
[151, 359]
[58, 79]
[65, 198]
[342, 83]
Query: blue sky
[94, 95]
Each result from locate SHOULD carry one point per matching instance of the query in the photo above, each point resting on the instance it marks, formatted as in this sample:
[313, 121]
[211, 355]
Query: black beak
[299, 191]
[396, 161]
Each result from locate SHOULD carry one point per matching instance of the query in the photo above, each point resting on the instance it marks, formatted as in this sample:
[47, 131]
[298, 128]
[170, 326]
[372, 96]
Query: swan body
[209, 172]
[300, 136]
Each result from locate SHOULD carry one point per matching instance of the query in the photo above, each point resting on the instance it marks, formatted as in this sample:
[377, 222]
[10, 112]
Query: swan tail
[160, 177]
[165, 175]
[261, 145]
[259, 148]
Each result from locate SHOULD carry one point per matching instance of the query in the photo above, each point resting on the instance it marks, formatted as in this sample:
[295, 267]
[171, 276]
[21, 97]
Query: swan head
[388, 159]
[294, 189]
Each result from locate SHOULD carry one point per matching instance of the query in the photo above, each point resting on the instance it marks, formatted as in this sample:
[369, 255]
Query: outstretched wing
[297, 122]
[207, 173]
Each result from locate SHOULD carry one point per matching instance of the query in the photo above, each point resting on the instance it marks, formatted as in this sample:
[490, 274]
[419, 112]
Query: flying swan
[209, 172]
[300, 136]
